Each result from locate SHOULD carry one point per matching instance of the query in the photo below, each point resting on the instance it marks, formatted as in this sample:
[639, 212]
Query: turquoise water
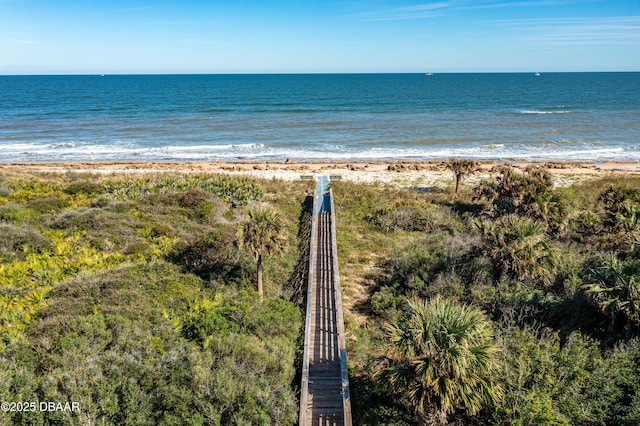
[556, 116]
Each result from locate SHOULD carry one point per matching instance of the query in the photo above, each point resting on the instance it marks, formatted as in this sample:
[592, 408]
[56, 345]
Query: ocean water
[554, 116]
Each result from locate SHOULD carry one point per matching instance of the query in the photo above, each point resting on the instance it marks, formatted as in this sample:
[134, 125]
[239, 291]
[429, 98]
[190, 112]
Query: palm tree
[461, 167]
[518, 248]
[262, 236]
[442, 357]
[528, 194]
[617, 291]
[503, 192]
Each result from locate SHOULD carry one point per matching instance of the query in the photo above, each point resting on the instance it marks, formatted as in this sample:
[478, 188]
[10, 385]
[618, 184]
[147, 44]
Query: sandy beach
[404, 173]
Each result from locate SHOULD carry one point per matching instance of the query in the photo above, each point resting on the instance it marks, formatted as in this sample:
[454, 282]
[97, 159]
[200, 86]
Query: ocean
[353, 117]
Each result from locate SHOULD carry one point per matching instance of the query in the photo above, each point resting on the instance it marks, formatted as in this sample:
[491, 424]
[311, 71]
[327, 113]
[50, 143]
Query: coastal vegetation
[132, 298]
[514, 302]
[460, 168]
[262, 236]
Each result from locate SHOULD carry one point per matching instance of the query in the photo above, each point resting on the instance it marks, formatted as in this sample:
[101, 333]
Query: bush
[214, 256]
[15, 242]
[416, 265]
[586, 225]
[547, 382]
[115, 343]
[529, 194]
[136, 292]
[403, 216]
[241, 312]
[11, 213]
[237, 191]
[198, 205]
[117, 372]
[104, 229]
[613, 199]
[83, 187]
[48, 204]
[519, 249]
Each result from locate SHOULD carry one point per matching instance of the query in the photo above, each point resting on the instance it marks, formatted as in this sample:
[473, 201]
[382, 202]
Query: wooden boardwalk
[324, 399]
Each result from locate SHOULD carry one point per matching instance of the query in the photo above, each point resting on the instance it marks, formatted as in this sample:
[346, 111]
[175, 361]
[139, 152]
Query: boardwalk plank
[324, 399]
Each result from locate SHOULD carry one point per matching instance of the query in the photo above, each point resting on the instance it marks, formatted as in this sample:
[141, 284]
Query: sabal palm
[617, 290]
[460, 168]
[262, 236]
[518, 247]
[546, 205]
[442, 357]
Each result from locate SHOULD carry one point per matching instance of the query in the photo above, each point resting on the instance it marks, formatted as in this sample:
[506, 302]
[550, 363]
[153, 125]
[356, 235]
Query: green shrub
[83, 187]
[404, 216]
[214, 257]
[108, 365]
[241, 312]
[237, 191]
[154, 230]
[137, 292]
[137, 249]
[386, 304]
[529, 194]
[614, 197]
[613, 393]
[100, 202]
[587, 224]
[104, 229]
[547, 382]
[197, 204]
[11, 213]
[519, 249]
[416, 265]
[15, 242]
[48, 204]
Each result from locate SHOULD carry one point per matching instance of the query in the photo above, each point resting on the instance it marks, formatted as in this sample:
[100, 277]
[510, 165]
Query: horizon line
[309, 73]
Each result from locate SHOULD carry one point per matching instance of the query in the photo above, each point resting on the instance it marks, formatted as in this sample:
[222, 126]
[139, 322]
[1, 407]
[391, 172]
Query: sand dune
[406, 173]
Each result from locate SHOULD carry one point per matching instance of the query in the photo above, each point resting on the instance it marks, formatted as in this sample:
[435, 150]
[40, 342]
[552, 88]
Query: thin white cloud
[421, 11]
[425, 7]
[20, 41]
[519, 3]
[436, 9]
[162, 23]
[123, 10]
[202, 41]
[134, 9]
[194, 41]
[577, 31]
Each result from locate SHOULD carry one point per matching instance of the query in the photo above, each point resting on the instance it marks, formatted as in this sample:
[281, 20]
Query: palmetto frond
[262, 236]
[617, 289]
[441, 354]
[262, 233]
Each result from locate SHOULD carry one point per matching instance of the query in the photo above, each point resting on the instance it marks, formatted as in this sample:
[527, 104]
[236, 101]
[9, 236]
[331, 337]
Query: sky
[329, 36]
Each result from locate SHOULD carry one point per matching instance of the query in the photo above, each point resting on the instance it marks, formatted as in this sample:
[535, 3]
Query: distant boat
[429, 73]
[537, 74]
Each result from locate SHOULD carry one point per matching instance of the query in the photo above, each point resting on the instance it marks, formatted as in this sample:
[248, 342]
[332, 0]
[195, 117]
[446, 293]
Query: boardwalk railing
[325, 398]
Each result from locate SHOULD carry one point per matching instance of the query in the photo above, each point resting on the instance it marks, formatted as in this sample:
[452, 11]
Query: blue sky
[270, 36]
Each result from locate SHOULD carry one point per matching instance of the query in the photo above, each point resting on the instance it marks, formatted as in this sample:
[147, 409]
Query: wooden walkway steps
[324, 399]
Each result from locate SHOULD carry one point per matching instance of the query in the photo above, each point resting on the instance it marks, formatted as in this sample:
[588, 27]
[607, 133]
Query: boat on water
[429, 73]
[537, 74]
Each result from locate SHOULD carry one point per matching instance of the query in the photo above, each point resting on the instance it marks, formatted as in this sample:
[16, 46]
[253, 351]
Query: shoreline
[404, 172]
